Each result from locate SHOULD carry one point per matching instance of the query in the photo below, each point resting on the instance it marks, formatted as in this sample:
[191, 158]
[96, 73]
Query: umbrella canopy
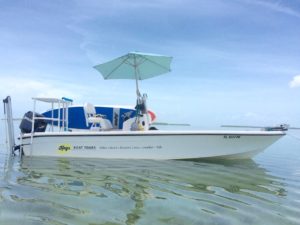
[136, 66]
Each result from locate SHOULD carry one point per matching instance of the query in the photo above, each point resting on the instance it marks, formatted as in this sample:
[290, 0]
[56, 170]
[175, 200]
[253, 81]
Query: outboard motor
[26, 123]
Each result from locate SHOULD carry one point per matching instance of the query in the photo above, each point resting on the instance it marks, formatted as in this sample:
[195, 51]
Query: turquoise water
[265, 190]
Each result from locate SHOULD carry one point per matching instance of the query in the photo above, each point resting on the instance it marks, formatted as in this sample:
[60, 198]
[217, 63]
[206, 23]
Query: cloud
[276, 6]
[295, 82]
[20, 86]
[22, 90]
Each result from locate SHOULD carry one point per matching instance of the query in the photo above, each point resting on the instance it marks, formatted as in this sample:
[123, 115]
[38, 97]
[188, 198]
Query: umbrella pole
[137, 89]
[136, 81]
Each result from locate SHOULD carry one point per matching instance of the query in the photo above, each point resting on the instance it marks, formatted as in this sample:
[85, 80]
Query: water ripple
[73, 191]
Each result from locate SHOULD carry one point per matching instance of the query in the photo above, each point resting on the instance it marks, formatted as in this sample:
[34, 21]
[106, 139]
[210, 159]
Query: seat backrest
[89, 111]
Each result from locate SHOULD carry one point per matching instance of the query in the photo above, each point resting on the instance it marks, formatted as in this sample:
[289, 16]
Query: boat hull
[149, 144]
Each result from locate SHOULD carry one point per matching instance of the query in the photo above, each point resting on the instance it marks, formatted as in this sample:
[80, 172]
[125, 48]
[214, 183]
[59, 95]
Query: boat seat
[98, 121]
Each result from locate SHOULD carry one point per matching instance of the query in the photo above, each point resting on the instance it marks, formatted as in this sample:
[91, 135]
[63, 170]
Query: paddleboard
[116, 114]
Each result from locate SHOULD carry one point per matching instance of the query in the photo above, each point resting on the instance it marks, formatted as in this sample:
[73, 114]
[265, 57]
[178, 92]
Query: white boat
[39, 137]
[51, 137]
[149, 144]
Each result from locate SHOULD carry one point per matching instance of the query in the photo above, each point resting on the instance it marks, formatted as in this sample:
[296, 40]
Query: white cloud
[251, 115]
[30, 88]
[295, 82]
[22, 90]
[276, 6]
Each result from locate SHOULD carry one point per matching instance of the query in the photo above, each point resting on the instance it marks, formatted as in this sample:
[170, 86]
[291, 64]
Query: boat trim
[160, 133]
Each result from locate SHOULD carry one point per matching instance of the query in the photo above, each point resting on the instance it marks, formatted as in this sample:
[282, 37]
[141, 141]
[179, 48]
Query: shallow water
[265, 190]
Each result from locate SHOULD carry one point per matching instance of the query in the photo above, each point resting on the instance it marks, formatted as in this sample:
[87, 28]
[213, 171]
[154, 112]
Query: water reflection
[73, 191]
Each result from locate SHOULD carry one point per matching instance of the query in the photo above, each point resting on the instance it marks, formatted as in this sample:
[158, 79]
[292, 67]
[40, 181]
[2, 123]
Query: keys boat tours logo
[64, 148]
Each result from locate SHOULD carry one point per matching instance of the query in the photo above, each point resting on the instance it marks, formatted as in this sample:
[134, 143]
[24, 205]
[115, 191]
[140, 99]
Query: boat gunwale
[153, 133]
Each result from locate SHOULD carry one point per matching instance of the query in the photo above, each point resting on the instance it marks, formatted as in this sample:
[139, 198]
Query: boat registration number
[232, 136]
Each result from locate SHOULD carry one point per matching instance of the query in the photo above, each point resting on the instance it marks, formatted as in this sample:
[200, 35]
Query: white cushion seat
[97, 121]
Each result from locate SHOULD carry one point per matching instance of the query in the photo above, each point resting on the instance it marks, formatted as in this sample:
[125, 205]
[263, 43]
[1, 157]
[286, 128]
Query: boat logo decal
[64, 148]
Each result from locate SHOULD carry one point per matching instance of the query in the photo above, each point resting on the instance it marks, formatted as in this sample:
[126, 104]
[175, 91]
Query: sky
[234, 61]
